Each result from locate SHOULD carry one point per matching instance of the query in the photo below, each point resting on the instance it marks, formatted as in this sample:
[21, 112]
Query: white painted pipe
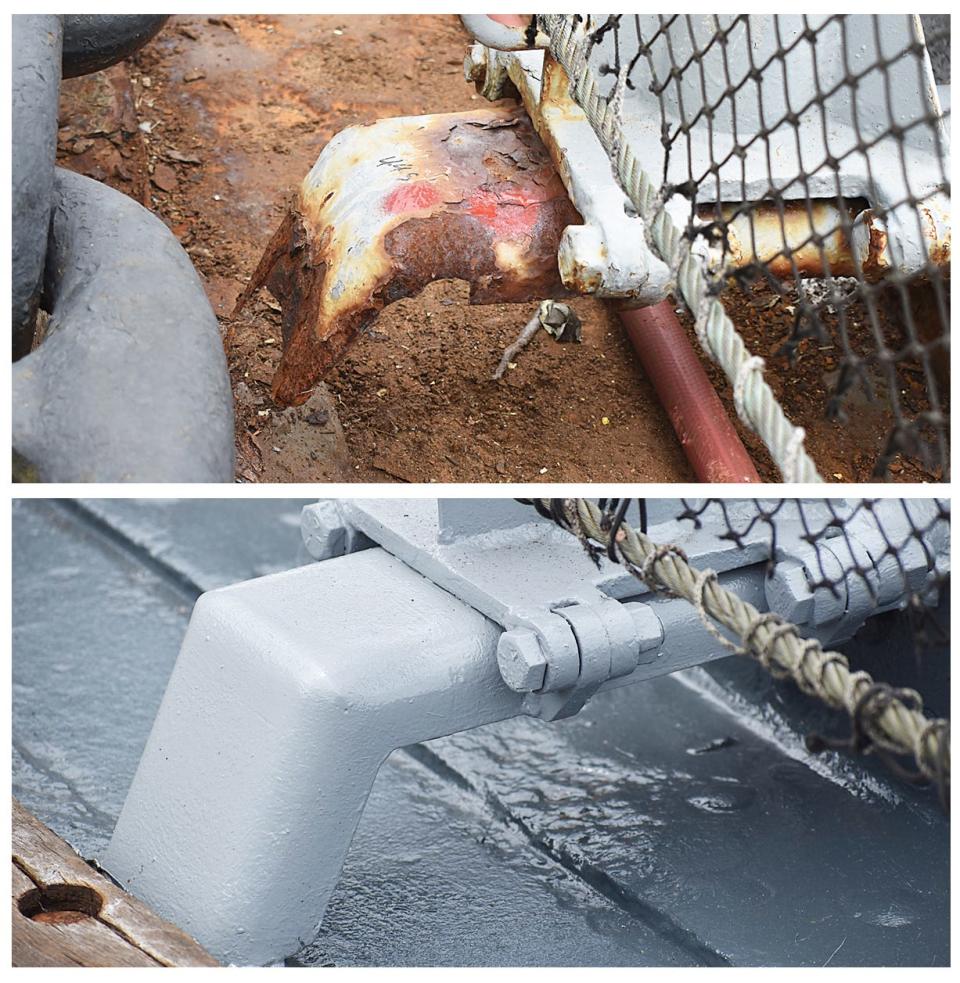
[504, 36]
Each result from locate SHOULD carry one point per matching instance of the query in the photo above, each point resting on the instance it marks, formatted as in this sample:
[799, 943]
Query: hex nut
[788, 593]
[522, 662]
[649, 630]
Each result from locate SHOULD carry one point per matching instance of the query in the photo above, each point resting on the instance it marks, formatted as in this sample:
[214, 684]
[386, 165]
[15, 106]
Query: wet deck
[678, 822]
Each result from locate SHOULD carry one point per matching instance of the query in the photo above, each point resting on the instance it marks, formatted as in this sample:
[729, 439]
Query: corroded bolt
[475, 64]
[522, 662]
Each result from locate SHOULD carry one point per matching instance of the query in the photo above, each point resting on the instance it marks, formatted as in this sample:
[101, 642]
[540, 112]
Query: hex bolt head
[475, 64]
[521, 659]
[648, 626]
[581, 257]
[323, 530]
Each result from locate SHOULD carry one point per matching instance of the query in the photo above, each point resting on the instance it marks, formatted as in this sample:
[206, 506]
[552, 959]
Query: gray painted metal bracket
[288, 694]
[566, 634]
[509, 563]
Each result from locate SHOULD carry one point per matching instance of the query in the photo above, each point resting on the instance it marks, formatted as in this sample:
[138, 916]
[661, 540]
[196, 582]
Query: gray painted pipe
[92, 42]
[36, 89]
[130, 383]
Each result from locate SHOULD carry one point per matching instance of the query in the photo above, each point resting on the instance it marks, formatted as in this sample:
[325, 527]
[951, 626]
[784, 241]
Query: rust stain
[394, 205]
[875, 261]
[938, 249]
[811, 239]
[808, 238]
[555, 105]
[555, 88]
[583, 279]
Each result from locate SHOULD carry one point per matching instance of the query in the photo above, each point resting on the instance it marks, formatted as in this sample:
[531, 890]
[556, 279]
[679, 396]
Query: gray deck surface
[619, 837]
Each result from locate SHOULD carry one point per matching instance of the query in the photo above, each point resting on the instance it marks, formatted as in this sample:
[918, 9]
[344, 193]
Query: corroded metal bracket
[392, 206]
[606, 254]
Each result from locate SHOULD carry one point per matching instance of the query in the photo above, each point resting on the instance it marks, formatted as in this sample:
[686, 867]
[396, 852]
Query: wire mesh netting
[901, 534]
[854, 558]
[804, 160]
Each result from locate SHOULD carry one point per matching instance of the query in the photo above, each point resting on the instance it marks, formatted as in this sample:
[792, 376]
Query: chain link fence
[792, 171]
[832, 528]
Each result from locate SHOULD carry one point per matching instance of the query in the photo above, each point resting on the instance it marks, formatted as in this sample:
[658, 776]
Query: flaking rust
[394, 205]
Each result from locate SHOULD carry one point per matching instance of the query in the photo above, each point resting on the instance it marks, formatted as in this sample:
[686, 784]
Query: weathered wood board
[66, 914]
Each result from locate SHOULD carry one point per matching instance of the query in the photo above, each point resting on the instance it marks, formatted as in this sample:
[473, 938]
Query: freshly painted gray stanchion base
[130, 382]
[36, 90]
[291, 690]
[675, 821]
[92, 42]
[260, 831]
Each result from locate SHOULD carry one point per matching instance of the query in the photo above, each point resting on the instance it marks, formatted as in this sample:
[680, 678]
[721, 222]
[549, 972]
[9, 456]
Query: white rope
[752, 366]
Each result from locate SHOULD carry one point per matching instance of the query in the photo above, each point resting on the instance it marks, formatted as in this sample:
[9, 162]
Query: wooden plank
[66, 914]
[85, 943]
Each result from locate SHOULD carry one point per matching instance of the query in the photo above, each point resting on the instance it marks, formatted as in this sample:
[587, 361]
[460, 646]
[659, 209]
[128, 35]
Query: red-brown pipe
[708, 438]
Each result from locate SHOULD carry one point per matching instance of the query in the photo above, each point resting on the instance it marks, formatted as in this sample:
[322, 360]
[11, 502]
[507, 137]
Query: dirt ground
[213, 126]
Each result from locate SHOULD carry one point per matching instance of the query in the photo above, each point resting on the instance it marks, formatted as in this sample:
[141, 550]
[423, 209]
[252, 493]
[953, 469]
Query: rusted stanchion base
[394, 205]
[708, 438]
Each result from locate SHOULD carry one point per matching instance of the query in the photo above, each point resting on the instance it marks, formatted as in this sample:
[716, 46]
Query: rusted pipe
[708, 438]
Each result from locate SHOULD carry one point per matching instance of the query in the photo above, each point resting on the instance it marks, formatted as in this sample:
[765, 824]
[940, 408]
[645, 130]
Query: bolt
[582, 258]
[323, 530]
[648, 626]
[522, 663]
[788, 592]
[475, 65]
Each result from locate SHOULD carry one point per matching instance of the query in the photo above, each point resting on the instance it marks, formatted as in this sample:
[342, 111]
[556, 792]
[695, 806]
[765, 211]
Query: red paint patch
[412, 197]
[509, 212]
